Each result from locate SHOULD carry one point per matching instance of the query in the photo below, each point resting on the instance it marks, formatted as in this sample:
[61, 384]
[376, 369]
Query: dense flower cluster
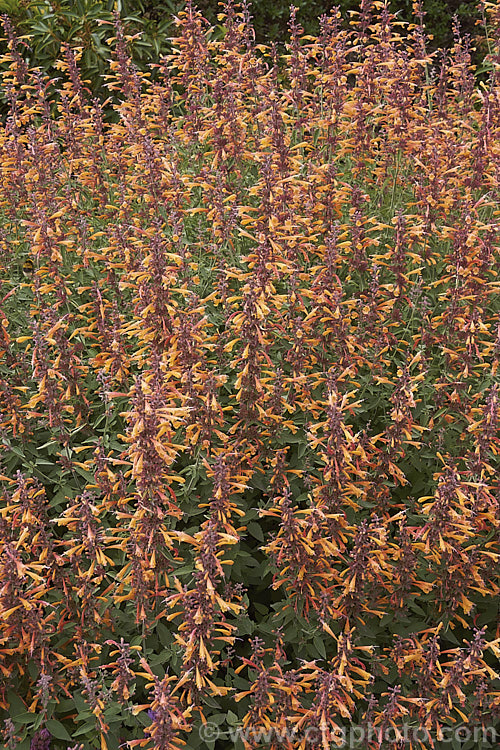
[249, 402]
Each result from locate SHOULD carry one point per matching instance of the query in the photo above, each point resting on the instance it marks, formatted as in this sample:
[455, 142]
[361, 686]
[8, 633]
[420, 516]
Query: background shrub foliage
[45, 27]
[249, 389]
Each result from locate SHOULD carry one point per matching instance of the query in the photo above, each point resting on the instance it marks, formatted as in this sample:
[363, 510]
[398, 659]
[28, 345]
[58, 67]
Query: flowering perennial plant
[249, 400]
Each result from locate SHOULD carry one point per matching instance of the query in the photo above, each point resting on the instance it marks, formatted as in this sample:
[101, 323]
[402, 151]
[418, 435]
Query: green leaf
[80, 702]
[16, 705]
[319, 645]
[255, 530]
[88, 727]
[58, 730]
[162, 658]
[144, 718]
[113, 741]
[245, 626]
[164, 634]
[217, 719]
[25, 718]
[86, 474]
